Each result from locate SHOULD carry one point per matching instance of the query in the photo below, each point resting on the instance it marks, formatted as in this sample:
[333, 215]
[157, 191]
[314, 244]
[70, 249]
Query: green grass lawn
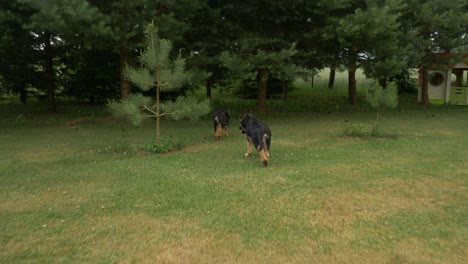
[72, 189]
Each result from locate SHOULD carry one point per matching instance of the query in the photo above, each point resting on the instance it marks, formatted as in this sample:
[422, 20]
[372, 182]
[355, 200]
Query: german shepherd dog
[221, 121]
[258, 134]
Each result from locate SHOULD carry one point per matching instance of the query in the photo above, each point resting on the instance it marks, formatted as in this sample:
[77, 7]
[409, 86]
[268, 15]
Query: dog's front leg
[249, 148]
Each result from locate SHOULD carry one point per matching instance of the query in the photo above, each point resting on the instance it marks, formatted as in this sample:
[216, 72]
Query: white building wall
[438, 92]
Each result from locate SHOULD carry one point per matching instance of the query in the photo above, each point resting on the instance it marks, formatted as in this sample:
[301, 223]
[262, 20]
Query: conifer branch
[149, 109]
[166, 113]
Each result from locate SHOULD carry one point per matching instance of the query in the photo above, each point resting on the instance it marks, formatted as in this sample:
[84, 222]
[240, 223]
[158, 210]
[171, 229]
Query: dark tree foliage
[128, 21]
[259, 49]
[17, 50]
[80, 48]
[93, 75]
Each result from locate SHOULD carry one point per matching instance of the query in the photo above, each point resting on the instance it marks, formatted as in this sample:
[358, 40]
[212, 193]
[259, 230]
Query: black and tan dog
[258, 134]
[221, 121]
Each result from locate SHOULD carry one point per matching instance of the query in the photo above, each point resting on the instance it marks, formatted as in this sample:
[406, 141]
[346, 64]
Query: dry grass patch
[144, 239]
[141, 238]
[419, 252]
[393, 196]
[426, 192]
[40, 156]
[197, 148]
[462, 169]
[54, 197]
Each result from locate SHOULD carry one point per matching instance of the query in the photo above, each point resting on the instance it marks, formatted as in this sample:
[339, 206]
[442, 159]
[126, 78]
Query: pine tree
[57, 25]
[17, 66]
[162, 74]
[366, 35]
[255, 62]
[259, 47]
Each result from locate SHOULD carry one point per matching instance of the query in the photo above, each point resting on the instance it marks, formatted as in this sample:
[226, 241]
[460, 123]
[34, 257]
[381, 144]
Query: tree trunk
[285, 91]
[20, 85]
[352, 91]
[209, 83]
[49, 73]
[331, 77]
[424, 86]
[158, 117]
[23, 95]
[124, 83]
[262, 88]
[383, 82]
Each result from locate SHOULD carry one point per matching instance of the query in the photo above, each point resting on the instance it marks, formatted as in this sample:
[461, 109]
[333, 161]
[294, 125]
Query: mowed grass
[73, 190]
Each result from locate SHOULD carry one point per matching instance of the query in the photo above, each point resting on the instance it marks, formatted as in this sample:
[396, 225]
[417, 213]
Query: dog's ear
[242, 116]
[245, 113]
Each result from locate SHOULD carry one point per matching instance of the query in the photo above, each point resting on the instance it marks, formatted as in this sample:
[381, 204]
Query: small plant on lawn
[20, 119]
[359, 130]
[379, 99]
[164, 145]
[162, 74]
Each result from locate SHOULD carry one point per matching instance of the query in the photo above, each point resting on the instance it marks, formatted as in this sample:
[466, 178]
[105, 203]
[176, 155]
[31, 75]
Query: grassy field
[73, 189]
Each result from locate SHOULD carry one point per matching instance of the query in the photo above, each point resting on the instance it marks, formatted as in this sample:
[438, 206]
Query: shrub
[359, 130]
[164, 146]
[380, 98]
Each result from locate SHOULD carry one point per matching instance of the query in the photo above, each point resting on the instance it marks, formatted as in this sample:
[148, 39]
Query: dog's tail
[264, 143]
[265, 151]
[216, 122]
[265, 140]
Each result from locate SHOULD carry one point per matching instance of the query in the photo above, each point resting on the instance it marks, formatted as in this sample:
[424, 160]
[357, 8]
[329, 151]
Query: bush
[380, 98]
[367, 131]
[165, 145]
[405, 82]
[360, 130]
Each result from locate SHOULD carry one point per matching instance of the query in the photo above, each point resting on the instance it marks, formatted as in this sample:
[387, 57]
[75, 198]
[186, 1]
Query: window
[436, 79]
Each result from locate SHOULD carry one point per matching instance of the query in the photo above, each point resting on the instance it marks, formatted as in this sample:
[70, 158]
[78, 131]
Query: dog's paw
[247, 154]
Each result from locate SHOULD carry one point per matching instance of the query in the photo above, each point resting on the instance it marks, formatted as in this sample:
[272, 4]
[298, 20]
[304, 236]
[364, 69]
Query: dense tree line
[79, 48]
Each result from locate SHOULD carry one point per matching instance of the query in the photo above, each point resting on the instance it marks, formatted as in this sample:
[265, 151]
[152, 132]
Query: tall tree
[259, 48]
[209, 35]
[128, 19]
[91, 74]
[17, 66]
[365, 34]
[56, 23]
[319, 44]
